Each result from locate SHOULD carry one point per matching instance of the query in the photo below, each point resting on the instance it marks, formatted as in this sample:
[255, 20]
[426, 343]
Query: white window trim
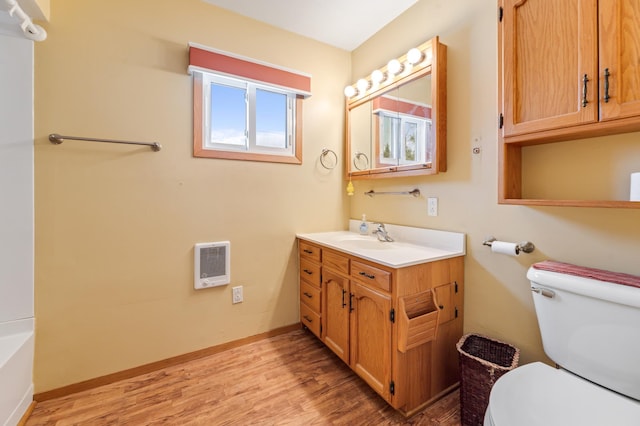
[250, 135]
[397, 154]
[199, 131]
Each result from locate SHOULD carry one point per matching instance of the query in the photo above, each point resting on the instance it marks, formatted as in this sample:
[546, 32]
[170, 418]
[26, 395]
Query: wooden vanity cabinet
[567, 70]
[370, 338]
[336, 306]
[310, 291]
[359, 310]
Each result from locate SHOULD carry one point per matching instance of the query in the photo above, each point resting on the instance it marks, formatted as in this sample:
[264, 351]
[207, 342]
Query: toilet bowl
[589, 323]
[539, 395]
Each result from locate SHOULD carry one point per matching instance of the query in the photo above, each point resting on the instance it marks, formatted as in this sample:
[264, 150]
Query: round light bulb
[377, 77]
[414, 56]
[350, 91]
[362, 85]
[394, 67]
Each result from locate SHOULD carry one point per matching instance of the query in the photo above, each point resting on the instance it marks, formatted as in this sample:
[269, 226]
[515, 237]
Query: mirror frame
[437, 68]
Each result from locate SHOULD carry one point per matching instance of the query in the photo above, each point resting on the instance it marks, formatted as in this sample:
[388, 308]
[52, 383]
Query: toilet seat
[539, 395]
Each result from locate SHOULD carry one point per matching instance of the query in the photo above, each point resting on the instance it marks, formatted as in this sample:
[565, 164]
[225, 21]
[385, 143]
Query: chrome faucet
[381, 233]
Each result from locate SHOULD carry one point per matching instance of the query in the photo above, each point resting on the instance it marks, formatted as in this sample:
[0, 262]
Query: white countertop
[411, 246]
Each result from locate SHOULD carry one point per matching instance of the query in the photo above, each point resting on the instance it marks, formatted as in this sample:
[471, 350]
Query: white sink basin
[412, 246]
[364, 242]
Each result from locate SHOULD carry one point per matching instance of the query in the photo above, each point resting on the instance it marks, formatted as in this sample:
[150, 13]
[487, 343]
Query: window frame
[200, 127]
[251, 142]
[397, 149]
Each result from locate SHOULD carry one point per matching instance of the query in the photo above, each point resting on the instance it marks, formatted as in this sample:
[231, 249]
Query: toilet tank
[590, 327]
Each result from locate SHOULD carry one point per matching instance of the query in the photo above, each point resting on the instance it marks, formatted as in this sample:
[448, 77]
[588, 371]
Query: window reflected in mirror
[399, 125]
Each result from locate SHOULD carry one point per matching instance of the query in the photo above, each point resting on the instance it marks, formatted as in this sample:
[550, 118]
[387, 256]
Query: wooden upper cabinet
[619, 29]
[566, 64]
[549, 64]
[568, 70]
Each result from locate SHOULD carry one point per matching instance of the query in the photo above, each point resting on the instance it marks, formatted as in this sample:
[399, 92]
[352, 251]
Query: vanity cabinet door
[371, 337]
[335, 319]
[445, 297]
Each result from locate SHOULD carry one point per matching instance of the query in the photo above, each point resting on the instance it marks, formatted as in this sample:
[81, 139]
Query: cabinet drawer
[310, 272]
[309, 251]
[371, 275]
[310, 295]
[310, 319]
[336, 262]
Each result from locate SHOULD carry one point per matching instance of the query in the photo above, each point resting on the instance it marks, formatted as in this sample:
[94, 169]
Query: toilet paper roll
[634, 193]
[502, 247]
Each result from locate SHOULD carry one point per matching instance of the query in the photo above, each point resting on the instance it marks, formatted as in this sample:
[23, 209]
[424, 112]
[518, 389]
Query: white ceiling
[342, 23]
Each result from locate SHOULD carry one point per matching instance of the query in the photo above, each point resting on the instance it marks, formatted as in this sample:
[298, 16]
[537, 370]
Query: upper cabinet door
[549, 64]
[619, 58]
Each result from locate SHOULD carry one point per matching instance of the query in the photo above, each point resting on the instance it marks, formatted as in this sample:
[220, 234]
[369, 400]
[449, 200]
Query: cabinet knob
[308, 272]
[308, 295]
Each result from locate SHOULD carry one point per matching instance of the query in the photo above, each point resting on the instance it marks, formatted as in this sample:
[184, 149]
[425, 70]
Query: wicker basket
[482, 362]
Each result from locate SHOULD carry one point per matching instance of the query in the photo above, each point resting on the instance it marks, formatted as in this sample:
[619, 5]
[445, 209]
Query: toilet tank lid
[583, 271]
[586, 286]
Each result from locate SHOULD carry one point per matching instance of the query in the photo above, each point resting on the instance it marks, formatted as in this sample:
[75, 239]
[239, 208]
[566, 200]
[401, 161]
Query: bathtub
[16, 365]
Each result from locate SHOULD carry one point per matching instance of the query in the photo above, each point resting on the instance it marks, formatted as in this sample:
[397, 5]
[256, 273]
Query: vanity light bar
[394, 69]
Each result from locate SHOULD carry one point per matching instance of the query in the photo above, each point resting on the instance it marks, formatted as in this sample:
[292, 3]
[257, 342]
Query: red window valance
[208, 59]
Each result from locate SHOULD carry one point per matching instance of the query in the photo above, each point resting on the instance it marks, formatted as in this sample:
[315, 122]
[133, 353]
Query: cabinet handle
[343, 302]
[441, 306]
[308, 295]
[308, 251]
[308, 319]
[364, 274]
[308, 272]
[607, 74]
[350, 302]
[585, 80]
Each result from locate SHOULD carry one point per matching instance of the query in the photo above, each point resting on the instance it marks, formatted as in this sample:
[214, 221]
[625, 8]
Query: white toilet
[591, 329]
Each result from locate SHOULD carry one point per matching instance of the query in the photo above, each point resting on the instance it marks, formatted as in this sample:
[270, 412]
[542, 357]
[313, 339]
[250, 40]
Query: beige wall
[116, 225]
[498, 300]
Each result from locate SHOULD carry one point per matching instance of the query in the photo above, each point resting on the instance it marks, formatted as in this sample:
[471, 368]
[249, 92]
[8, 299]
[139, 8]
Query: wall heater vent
[212, 264]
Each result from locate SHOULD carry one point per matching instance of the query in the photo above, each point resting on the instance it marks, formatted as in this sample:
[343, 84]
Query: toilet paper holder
[525, 246]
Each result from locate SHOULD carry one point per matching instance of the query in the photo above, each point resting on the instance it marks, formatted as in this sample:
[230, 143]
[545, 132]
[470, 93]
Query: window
[403, 132]
[244, 110]
[240, 116]
[399, 134]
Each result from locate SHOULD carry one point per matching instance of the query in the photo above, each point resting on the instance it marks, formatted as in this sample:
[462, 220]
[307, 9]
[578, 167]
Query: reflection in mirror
[402, 125]
[360, 121]
[397, 121]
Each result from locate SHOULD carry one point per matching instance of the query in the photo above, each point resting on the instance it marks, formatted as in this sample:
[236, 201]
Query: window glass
[389, 135]
[228, 115]
[271, 119]
[244, 119]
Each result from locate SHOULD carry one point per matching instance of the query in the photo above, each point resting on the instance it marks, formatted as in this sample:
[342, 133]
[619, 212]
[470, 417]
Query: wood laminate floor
[291, 379]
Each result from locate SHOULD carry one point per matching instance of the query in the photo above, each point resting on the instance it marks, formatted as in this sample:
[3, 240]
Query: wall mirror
[396, 118]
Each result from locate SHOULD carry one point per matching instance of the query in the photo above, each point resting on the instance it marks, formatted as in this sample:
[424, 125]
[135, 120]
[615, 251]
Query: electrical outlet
[432, 206]
[236, 294]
